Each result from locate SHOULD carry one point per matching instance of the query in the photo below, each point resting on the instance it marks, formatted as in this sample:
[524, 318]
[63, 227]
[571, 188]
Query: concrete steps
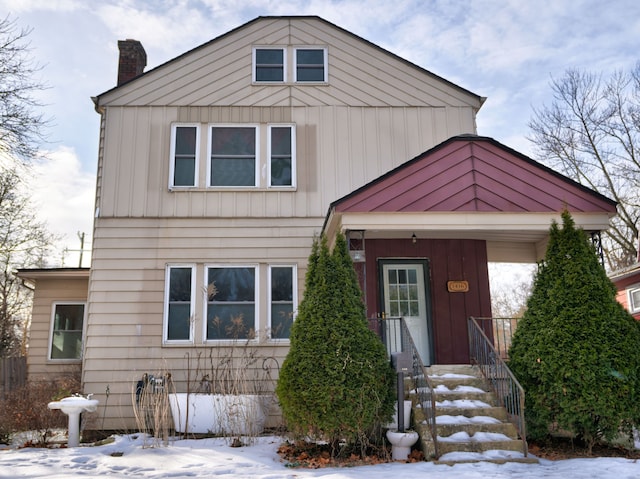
[470, 424]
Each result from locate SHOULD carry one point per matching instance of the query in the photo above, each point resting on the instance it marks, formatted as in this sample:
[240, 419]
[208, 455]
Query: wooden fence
[13, 374]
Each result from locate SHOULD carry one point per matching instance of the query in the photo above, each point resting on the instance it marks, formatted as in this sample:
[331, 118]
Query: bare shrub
[26, 410]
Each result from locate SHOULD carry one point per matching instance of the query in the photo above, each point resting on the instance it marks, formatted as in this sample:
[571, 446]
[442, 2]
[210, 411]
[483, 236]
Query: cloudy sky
[505, 50]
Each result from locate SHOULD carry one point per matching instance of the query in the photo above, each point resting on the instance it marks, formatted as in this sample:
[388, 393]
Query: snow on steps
[470, 424]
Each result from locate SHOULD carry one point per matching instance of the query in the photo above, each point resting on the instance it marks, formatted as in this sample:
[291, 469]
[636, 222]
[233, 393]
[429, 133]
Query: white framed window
[634, 299]
[231, 302]
[310, 65]
[233, 156]
[179, 304]
[283, 300]
[67, 331]
[185, 152]
[269, 64]
[281, 155]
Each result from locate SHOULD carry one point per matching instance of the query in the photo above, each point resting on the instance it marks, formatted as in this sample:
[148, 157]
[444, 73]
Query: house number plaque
[458, 286]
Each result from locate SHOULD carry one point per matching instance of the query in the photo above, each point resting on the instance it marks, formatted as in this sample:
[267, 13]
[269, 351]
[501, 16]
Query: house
[216, 170]
[627, 283]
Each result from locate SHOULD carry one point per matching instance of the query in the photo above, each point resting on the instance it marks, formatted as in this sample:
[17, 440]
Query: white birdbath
[72, 406]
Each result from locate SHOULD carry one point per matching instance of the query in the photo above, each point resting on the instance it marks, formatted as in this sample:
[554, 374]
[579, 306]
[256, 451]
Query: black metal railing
[396, 337]
[500, 331]
[494, 368]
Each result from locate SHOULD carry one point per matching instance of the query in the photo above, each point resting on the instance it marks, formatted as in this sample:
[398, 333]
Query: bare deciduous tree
[24, 242]
[21, 126]
[591, 133]
[24, 239]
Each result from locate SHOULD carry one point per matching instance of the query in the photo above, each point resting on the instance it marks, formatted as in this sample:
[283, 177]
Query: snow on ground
[204, 458]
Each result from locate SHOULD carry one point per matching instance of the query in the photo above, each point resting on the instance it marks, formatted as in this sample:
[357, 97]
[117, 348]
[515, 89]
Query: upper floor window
[269, 65]
[185, 141]
[235, 157]
[282, 298]
[311, 65]
[634, 300]
[179, 304]
[233, 152]
[281, 155]
[231, 302]
[67, 331]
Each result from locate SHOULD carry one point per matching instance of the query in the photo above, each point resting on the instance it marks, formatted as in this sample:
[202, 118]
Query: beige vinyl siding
[343, 147]
[124, 337]
[360, 74]
[47, 293]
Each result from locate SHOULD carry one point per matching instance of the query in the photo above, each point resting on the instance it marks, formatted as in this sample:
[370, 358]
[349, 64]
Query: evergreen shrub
[576, 350]
[336, 382]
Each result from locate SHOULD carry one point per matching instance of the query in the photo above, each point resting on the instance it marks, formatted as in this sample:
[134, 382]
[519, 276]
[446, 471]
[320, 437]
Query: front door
[405, 293]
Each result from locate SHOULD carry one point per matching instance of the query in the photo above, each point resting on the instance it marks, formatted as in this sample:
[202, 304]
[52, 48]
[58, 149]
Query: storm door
[405, 293]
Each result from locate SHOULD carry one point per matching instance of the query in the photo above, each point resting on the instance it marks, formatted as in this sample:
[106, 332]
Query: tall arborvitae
[336, 382]
[576, 351]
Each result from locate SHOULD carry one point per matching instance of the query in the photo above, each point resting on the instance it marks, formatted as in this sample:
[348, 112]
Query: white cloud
[64, 197]
[18, 6]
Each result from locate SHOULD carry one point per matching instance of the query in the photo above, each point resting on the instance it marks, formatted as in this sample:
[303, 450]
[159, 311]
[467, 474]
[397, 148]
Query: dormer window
[269, 65]
[311, 65]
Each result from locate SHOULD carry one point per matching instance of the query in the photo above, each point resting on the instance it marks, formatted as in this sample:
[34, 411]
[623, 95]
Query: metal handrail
[396, 336]
[506, 387]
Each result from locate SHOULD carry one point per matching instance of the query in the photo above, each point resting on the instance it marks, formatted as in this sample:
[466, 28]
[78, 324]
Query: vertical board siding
[449, 260]
[342, 147]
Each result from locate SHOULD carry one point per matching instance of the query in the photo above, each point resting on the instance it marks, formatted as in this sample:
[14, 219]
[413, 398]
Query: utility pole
[81, 236]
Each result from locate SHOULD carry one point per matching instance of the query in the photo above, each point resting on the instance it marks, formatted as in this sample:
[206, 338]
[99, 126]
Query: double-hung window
[233, 152]
[281, 155]
[231, 308]
[185, 141]
[66, 331]
[269, 65]
[634, 300]
[310, 65]
[179, 304]
[282, 298]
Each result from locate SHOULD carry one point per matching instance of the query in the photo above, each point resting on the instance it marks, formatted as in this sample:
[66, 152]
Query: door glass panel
[405, 296]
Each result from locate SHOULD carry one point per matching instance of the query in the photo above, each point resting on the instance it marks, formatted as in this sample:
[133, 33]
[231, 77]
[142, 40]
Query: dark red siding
[449, 260]
[473, 174]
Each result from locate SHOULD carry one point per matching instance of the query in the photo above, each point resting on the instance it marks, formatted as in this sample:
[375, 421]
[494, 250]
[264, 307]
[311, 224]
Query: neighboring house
[221, 165]
[627, 283]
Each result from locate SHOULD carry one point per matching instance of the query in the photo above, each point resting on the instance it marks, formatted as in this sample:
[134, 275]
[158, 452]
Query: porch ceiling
[510, 237]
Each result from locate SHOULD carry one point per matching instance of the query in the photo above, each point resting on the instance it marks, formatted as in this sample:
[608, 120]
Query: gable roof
[224, 60]
[471, 173]
[475, 188]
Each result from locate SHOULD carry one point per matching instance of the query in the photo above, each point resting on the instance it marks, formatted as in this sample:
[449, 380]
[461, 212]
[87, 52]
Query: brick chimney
[132, 60]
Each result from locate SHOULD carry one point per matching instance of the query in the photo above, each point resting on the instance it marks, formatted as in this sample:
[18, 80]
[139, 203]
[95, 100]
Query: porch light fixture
[414, 239]
[355, 242]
